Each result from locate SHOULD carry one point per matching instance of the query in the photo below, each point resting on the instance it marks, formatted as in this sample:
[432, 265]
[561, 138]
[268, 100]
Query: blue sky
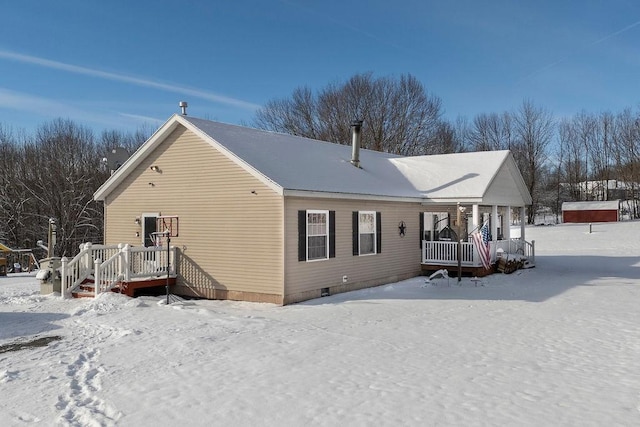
[121, 64]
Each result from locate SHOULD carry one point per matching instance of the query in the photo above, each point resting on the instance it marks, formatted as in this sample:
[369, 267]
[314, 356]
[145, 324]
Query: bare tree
[533, 127]
[599, 151]
[627, 157]
[12, 200]
[399, 115]
[61, 173]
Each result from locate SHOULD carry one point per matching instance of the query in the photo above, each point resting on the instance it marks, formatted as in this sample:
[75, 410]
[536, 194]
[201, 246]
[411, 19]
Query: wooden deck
[129, 288]
[87, 289]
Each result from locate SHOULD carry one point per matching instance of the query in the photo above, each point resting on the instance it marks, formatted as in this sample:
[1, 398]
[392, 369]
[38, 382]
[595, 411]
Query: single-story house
[276, 218]
[593, 211]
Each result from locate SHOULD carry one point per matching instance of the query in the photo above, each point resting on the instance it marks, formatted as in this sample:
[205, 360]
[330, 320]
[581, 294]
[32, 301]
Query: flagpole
[459, 211]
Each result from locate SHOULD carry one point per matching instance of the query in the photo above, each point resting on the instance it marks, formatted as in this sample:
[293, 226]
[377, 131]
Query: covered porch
[443, 249]
[470, 203]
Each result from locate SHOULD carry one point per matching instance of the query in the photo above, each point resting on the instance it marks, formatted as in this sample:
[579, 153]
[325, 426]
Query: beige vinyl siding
[400, 257]
[230, 239]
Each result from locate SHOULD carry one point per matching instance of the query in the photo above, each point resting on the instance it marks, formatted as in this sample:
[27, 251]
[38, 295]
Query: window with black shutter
[367, 232]
[316, 235]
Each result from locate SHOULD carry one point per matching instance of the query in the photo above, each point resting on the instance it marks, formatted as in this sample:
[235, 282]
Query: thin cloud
[352, 28]
[567, 57]
[24, 102]
[196, 93]
[142, 118]
[45, 107]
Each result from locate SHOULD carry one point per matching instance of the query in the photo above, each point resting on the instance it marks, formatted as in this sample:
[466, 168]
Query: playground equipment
[16, 260]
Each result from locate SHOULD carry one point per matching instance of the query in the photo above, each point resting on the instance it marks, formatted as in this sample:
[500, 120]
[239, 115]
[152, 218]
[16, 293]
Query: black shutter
[356, 237]
[302, 235]
[378, 232]
[421, 228]
[332, 234]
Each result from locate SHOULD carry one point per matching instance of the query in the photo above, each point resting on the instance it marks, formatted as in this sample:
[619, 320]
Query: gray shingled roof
[304, 164]
[296, 164]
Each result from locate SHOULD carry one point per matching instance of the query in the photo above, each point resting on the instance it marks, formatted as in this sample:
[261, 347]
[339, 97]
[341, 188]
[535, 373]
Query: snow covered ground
[555, 345]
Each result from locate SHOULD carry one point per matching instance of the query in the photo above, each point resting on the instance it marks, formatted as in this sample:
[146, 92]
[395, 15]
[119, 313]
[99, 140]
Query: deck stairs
[116, 268]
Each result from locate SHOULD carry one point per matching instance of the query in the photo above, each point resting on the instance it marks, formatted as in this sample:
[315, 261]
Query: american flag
[481, 240]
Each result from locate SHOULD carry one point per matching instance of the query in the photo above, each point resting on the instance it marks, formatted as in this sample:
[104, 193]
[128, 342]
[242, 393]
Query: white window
[317, 235]
[367, 232]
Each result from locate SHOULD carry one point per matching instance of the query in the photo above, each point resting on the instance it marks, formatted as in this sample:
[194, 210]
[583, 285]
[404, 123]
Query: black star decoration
[401, 228]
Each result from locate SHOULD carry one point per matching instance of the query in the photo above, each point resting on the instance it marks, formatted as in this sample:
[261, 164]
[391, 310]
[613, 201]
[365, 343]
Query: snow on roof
[591, 206]
[458, 175]
[303, 164]
[296, 165]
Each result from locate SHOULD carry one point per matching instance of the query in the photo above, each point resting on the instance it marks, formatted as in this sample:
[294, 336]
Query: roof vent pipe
[356, 127]
[183, 106]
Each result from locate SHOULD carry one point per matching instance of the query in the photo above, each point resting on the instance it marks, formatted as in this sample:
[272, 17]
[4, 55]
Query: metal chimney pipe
[183, 106]
[356, 127]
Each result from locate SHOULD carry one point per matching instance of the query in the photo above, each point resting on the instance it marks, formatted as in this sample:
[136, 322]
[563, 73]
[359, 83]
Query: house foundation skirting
[348, 287]
[224, 294]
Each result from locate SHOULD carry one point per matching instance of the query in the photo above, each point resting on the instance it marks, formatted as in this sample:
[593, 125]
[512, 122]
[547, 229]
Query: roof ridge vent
[183, 107]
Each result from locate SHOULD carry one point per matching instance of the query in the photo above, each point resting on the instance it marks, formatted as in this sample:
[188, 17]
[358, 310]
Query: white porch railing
[446, 253]
[75, 271]
[123, 263]
[518, 247]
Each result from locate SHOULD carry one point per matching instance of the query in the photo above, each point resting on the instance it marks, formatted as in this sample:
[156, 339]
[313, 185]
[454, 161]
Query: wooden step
[83, 294]
[87, 290]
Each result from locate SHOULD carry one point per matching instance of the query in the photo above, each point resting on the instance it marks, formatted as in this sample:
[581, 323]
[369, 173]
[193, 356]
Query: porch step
[82, 294]
[87, 288]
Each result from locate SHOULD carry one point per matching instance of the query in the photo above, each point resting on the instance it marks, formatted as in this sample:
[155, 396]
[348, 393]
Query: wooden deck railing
[122, 263]
[446, 253]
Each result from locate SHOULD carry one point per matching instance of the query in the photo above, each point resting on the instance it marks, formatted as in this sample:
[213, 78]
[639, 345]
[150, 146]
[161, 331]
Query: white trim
[326, 214]
[453, 201]
[507, 224]
[347, 196]
[174, 121]
[375, 233]
[136, 158]
[156, 139]
[142, 222]
[494, 223]
[523, 221]
[510, 163]
[231, 156]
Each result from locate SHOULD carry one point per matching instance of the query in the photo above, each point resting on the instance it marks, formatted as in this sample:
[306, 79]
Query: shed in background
[595, 211]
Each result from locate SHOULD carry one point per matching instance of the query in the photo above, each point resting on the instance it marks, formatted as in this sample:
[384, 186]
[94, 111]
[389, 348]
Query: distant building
[608, 189]
[594, 211]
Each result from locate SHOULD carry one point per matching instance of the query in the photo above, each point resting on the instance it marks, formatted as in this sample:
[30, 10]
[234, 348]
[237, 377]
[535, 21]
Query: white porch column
[507, 224]
[494, 223]
[475, 217]
[523, 216]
